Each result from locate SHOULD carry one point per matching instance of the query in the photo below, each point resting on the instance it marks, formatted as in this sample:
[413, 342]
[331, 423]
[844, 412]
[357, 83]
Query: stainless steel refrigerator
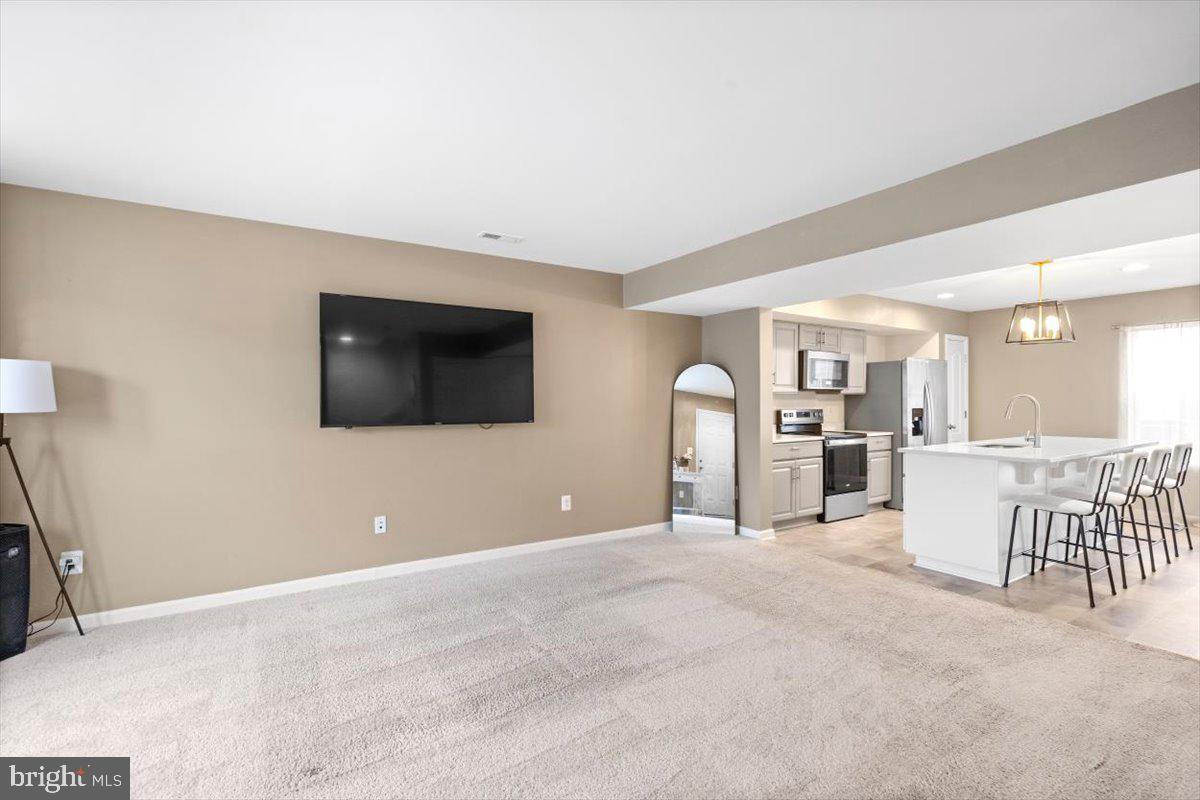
[907, 398]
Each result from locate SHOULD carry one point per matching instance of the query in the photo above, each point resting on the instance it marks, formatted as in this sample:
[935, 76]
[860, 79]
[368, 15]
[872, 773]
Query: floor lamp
[27, 387]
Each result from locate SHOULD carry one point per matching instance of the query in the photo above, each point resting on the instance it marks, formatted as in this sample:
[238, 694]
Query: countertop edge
[806, 437]
[1000, 454]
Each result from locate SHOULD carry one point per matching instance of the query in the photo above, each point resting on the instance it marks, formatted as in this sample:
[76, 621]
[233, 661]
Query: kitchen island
[958, 498]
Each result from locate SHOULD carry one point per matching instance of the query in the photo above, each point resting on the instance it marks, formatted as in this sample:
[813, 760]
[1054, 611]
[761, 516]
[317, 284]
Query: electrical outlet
[76, 559]
[381, 524]
[566, 502]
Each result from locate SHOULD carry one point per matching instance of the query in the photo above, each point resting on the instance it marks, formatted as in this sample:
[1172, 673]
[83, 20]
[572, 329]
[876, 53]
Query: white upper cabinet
[818, 337]
[829, 339]
[786, 375]
[792, 337]
[854, 344]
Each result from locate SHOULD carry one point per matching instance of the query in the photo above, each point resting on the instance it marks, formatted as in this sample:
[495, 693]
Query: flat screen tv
[398, 362]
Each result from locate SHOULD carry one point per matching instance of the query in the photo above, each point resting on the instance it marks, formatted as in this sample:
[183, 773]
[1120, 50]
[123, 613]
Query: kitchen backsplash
[832, 403]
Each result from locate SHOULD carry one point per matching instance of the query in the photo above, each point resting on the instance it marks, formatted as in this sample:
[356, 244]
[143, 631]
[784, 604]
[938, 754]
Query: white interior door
[714, 456]
[957, 387]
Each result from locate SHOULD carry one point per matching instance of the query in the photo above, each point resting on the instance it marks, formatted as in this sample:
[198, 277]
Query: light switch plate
[381, 524]
[566, 502]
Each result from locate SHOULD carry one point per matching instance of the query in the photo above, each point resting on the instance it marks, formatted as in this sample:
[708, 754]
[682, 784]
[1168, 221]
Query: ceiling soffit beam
[1145, 212]
[1153, 139]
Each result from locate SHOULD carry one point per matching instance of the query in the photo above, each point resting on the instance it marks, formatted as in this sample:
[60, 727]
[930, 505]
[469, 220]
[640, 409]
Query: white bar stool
[1131, 469]
[1096, 483]
[1181, 457]
[1151, 487]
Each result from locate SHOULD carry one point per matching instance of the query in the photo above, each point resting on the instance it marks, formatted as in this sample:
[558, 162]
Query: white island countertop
[1054, 449]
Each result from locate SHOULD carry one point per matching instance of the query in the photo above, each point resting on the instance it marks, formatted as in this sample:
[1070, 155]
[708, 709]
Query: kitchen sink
[1004, 445]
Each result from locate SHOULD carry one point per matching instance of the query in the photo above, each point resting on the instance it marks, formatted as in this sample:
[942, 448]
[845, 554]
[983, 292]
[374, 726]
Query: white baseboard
[185, 604]
[968, 572]
[750, 533]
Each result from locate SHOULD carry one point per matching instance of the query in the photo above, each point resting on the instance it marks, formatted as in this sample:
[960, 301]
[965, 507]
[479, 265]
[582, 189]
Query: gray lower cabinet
[879, 476]
[810, 488]
[797, 488]
[783, 499]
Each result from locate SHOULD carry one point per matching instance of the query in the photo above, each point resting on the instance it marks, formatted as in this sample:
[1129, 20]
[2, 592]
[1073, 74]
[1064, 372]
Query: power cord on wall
[59, 605]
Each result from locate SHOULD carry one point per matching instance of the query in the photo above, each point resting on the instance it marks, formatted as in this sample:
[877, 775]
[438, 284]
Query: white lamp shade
[26, 387]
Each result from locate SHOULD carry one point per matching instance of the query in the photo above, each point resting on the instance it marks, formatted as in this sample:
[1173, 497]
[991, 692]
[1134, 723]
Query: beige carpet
[661, 666]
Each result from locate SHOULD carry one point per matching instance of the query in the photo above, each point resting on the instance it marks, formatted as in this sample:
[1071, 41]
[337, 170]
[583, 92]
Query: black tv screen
[398, 362]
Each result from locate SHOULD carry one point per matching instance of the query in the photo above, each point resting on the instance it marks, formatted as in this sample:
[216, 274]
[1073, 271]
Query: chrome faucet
[1037, 417]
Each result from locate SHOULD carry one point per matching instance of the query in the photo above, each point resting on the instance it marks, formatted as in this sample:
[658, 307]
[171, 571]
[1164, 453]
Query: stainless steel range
[845, 483]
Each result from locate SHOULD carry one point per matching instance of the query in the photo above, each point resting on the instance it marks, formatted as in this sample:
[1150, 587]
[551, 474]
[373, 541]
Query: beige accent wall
[186, 456]
[832, 403]
[1152, 139]
[1077, 384]
[914, 345]
[684, 426]
[740, 343]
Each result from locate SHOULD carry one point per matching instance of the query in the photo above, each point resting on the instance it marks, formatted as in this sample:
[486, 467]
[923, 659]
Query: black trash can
[14, 588]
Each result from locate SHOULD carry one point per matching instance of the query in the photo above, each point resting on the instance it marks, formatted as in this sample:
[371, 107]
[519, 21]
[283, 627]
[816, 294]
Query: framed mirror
[703, 451]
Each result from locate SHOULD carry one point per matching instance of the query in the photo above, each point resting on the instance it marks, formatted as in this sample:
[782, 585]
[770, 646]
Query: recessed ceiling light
[346, 338]
[1136, 266]
[945, 295]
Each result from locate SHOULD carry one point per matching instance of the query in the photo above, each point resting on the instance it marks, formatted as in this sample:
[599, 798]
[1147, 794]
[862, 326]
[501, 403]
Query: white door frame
[733, 458]
[962, 432]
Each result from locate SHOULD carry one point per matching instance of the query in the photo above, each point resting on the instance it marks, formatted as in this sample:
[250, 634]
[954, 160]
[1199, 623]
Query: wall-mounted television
[399, 362]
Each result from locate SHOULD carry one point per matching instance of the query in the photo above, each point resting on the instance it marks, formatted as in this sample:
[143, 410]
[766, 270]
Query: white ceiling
[610, 135]
[1170, 263]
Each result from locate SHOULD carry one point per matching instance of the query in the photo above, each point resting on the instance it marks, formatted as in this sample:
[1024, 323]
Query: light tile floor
[1162, 611]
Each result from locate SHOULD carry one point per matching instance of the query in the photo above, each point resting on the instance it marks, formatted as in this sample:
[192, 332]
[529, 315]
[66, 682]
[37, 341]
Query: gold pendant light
[1043, 322]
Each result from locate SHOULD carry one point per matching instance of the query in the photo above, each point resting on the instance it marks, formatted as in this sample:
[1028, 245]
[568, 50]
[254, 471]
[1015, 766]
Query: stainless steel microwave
[825, 371]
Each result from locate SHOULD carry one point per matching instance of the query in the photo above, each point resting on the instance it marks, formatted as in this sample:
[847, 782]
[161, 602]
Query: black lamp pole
[6, 442]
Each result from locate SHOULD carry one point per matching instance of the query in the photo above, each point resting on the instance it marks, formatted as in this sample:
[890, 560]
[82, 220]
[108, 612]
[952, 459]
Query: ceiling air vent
[501, 237]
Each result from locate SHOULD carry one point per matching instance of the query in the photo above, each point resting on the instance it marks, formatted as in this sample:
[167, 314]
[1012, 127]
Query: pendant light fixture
[1043, 322]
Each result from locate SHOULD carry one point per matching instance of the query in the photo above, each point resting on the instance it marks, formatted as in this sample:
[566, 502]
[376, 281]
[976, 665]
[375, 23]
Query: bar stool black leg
[1011, 533]
[1174, 536]
[1146, 517]
[1183, 516]
[1136, 545]
[1033, 547]
[1171, 516]
[1087, 567]
[1046, 544]
[1112, 584]
[1148, 540]
[1108, 515]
